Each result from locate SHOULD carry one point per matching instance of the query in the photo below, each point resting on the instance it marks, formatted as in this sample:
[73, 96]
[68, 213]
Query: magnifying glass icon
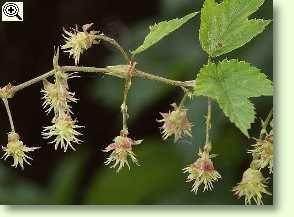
[11, 10]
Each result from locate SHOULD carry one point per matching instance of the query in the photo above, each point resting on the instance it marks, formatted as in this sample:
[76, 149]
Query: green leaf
[225, 26]
[231, 83]
[162, 29]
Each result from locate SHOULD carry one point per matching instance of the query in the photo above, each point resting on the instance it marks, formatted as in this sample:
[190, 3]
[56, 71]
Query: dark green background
[80, 177]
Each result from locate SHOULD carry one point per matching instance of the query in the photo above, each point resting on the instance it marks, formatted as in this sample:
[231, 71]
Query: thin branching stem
[115, 45]
[5, 101]
[136, 73]
[266, 123]
[208, 121]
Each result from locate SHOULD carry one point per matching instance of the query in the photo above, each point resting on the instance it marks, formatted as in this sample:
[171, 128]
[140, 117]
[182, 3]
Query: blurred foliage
[159, 179]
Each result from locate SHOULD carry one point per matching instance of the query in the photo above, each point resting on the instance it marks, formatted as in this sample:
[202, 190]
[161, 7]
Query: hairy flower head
[77, 42]
[175, 123]
[121, 150]
[64, 131]
[262, 153]
[56, 97]
[252, 186]
[202, 172]
[17, 150]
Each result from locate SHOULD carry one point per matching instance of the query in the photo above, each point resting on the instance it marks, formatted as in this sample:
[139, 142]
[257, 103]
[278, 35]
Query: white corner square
[12, 11]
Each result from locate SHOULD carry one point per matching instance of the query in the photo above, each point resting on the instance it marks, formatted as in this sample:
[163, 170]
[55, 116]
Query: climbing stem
[5, 101]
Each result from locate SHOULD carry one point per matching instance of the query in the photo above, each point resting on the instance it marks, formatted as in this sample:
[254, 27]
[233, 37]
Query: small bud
[175, 123]
[64, 131]
[6, 91]
[16, 149]
[202, 172]
[121, 150]
[252, 186]
[78, 42]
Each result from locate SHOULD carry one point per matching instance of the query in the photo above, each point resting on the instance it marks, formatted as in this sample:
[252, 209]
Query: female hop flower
[175, 123]
[121, 150]
[78, 42]
[16, 149]
[252, 186]
[202, 172]
[64, 131]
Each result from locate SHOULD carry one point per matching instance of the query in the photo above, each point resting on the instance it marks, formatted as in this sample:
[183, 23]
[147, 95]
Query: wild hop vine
[230, 83]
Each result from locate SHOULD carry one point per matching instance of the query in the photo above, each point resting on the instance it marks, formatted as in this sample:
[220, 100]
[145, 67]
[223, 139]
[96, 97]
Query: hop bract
[63, 131]
[252, 186]
[202, 172]
[175, 123]
[121, 150]
[78, 42]
[17, 150]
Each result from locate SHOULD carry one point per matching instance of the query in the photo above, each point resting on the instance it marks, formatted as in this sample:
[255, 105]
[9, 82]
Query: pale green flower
[64, 131]
[17, 150]
[252, 186]
[175, 123]
[78, 42]
[121, 150]
[262, 153]
[202, 172]
[57, 97]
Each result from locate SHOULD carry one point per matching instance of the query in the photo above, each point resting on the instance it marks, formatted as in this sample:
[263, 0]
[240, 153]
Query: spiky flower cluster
[262, 152]
[253, 183]
[57, 98]
[202, 172]
[175, 123]
[17, 150]
[78, 42]
[64, 131]
[121, 151]
[252, 186]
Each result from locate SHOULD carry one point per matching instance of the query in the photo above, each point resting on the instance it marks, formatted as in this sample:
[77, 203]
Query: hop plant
[78, 42]
[63, 132]
[17, 150]
[202, 172]
[216, 80]
[252, 187]
[175, 123]
[121, 151]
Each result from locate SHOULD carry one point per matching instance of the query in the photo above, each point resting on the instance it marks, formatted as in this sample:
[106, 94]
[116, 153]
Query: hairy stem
[208, 121]
[32, 81]
[266, 123]
[115, 45]
[148, 76]
[136, 73]
[124, 107]
[5, 101]
[183, 100]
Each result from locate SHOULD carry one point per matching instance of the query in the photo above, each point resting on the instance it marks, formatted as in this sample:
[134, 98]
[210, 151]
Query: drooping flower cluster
[17, 150]
[252, 186]
[57, 98]
[202, 172]
[262, 152]
[121, 151]
[175, 123]
[64, 131]
[253, 183]
[78, 42]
